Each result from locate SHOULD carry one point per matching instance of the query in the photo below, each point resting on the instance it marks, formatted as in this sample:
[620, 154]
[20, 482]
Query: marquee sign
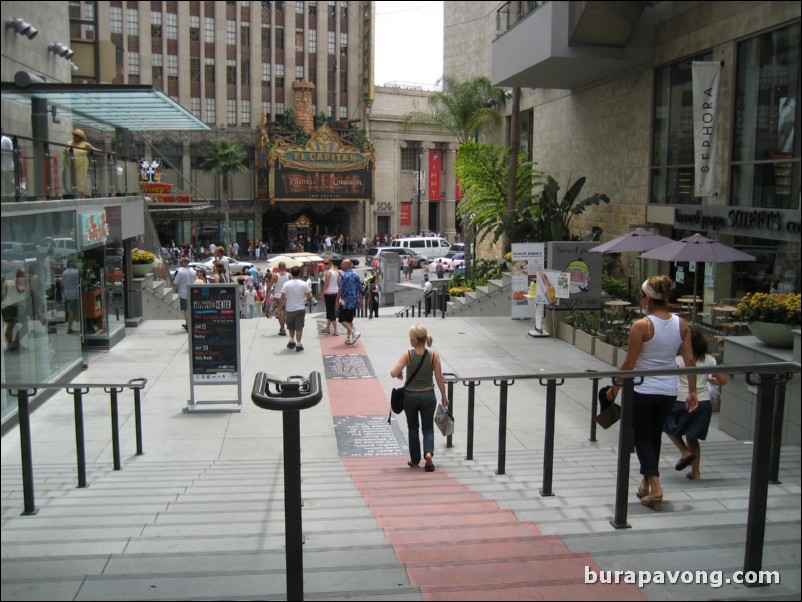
[324, 169]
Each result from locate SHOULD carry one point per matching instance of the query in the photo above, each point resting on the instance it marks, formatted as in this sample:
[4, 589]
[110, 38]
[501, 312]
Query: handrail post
[450, 390]
[26, 454]
[777, 429]
[472, 384]
[292, 504]
[137, 386]
[115, 425]
[80, 441]
[502, 425]
[548, 444]
[625, 443]
[594, 407]
[759, 483]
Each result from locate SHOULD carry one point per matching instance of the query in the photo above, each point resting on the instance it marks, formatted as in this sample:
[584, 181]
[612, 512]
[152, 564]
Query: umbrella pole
[693, 305]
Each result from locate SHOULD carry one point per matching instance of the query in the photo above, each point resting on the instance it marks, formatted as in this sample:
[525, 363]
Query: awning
[108, 106]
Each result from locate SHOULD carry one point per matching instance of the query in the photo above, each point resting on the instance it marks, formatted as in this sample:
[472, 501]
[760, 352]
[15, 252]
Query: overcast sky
[409, 42]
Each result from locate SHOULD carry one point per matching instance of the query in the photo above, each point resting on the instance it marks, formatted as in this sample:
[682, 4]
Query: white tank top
[660, 352]
[281, 279]
[334, 283]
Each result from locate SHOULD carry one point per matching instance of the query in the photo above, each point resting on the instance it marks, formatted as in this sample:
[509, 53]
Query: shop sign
[94, 227]
[774, 224]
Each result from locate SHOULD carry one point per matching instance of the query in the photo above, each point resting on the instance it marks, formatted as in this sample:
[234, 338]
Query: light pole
[420, 154]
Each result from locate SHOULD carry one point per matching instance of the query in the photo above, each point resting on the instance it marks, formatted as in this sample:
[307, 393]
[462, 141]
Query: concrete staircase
[378, 530]
[492, 300]
[158, 300]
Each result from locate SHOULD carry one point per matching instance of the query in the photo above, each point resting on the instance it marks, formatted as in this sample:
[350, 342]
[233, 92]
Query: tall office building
[230, 63]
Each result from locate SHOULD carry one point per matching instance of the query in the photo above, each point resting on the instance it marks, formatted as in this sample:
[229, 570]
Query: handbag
[610, 411]
[397, 395]
[444, 420]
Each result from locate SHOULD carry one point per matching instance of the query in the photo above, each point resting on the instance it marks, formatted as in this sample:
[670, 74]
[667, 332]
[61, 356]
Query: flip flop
[684, 462]
[430, 468]
[412, 464]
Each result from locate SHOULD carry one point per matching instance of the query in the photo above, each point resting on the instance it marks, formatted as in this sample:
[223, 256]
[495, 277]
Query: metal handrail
[769, 410]
[23, 392]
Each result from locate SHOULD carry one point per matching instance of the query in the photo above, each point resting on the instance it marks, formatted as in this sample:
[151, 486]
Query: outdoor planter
[773, 335]
[566, 332]
[584, 341]
[141, 270]
[607, 352]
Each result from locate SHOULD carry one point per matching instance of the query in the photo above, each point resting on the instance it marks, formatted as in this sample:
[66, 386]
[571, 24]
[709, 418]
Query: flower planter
[773, 335]
[141, 270]
[584, 341]
[566, 332]
[606, 352]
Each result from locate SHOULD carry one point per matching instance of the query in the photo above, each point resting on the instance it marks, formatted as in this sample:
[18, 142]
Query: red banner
[406, 214]
[458, 193]
[435, 161]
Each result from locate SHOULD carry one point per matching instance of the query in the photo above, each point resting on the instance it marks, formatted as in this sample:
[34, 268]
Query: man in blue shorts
[349, 299]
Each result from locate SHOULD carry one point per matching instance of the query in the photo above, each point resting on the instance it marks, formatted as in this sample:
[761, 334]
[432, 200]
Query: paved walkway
[200, 515]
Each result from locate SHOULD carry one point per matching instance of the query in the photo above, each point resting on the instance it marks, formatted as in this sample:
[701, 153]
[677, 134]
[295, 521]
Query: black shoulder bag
[397, 395]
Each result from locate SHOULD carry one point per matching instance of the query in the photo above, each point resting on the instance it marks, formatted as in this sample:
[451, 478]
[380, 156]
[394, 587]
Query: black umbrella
[697, 248]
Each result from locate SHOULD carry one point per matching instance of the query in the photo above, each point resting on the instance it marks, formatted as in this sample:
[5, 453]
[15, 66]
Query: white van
[431, 246]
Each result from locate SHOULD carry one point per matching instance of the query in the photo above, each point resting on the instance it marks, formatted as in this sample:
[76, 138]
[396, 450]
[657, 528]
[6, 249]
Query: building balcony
[566, 45]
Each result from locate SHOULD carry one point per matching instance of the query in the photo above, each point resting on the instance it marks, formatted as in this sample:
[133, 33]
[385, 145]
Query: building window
[209, 70]
[312, 7]
[409, 159]
[195, 106]
[765, 153]
[155, 24]
[245, 73]
[266, 108]
[299, 40]
[133, 22]
[116, 19]
[172, 26]
[343, 44]
[332, 9]
[266, 37]
[299, 8]
[343, 112]
[231, 115]
[279, 109]
[133, 63]
[194, 28]
[231, 33]
[332, 42]
[157, 70]
[279, 37]
[279, 76]
[231, 71]
[672, 129]
[299, 72]
[245, 34]
[211, 111]
[266, 73]
[312, 35]
[194, 69]
[279, 6]
[209, 30]
[172, 66]
[246, 114]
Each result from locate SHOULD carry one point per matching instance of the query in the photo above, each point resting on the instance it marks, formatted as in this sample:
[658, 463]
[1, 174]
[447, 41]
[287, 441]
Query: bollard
[290, 397]
[80, 442]
[548, 444]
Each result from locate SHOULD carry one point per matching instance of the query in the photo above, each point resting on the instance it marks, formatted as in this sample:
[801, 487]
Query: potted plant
[771, 316]
[615, 337]
[588, 326]
[143, 262]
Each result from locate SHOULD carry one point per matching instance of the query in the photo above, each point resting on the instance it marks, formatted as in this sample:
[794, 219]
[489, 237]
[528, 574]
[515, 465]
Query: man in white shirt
[294, 294]
[183, 278]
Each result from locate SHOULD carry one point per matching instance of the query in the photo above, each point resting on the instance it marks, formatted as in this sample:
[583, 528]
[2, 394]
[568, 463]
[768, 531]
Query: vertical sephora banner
[435, 164]
[705, 75]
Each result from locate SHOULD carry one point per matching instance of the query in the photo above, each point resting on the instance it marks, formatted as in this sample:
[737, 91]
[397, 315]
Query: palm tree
[225, 157]
[463, 109]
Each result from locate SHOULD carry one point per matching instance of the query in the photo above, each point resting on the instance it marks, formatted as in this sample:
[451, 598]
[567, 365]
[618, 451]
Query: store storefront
[63, 285]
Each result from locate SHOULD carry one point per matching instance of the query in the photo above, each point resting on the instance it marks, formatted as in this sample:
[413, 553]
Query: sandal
[412, 464]
[641, 493]
[684, 462]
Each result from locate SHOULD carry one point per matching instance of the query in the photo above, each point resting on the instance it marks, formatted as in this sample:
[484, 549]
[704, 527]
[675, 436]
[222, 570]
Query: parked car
[452, 262]
[236, 267]
[337, 259]
[403, 253]
[61, 247]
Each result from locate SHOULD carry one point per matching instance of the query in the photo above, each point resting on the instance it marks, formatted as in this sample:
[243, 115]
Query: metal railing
[769, 378]
[24, 391]
[438, 300]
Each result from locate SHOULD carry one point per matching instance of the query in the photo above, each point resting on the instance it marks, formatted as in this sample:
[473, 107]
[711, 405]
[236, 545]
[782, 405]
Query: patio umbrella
[639, 240]
[697, 248]
[290, 262]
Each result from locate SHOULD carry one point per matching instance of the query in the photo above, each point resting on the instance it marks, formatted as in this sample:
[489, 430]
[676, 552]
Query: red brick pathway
[455, 543]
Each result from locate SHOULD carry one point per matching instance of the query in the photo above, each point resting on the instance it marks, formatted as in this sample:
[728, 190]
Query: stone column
[449, 193]
[303, 105]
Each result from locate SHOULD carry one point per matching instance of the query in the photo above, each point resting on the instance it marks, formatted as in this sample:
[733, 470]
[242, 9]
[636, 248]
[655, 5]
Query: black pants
[649, 413]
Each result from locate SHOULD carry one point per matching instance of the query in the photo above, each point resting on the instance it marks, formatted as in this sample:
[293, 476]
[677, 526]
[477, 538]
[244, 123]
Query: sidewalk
[200, 515]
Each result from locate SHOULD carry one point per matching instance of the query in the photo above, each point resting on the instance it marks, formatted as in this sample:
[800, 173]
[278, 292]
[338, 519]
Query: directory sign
[214, 333]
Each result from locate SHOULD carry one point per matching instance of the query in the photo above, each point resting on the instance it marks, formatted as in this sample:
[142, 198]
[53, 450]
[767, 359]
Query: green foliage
[463, 109]
[552, 215]
[617, 332]
[615, 288]
[483, 271]
[225, 157]
[588, 321]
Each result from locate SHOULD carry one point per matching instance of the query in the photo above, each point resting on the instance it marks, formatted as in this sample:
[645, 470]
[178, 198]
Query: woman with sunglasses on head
[654, 343]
